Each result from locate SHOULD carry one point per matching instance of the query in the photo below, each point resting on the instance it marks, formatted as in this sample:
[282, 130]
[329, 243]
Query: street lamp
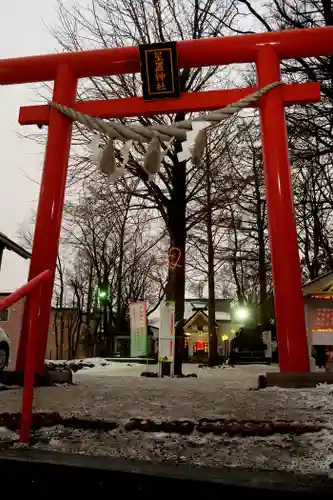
[242, 313]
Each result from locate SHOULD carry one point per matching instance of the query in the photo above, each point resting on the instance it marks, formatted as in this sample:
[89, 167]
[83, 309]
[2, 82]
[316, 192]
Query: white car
[4, 349]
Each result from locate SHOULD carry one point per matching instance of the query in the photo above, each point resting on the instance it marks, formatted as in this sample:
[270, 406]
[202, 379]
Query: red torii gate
[266, 50]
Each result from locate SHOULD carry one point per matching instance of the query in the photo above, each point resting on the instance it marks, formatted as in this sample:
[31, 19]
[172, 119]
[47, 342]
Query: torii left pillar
[50, 208]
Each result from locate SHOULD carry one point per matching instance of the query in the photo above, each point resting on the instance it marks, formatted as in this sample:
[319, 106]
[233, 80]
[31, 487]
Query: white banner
[139, 333]
[166, 339]
[267, 340]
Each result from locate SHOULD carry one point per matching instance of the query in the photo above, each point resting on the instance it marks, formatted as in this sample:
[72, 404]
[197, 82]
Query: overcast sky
[22, 32]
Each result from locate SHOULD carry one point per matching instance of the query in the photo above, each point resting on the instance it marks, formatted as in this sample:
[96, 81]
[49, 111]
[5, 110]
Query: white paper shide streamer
[106, 160]
[125, 152]
[196, 139]
[96, 148]
[152, 161]
[120, 170]
[193, 131]
[107, 164]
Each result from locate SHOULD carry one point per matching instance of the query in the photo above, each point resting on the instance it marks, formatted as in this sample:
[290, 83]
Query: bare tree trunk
[212, 334]
[90, 289]
[175, 290]
[262, 278]
[61, 305]
[58, 313]
[56, 332]
[260, 223]
[119, 311]
[69, 335]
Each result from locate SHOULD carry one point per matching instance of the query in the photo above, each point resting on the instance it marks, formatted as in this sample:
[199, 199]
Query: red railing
[32, 289]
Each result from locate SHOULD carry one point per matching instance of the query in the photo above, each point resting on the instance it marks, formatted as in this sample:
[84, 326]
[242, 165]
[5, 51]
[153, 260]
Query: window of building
[4, 316]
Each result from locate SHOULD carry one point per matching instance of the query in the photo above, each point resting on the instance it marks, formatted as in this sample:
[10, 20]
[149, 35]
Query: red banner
[322, 319]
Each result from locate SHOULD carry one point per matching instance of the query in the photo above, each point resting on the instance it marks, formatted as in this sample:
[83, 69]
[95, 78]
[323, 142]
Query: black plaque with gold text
[159, 71]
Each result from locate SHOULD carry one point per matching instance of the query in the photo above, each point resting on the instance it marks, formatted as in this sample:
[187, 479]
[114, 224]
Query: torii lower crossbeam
[189, 102]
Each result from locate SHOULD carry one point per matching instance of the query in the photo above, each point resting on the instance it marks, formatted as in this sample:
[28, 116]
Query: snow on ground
[239, 375]
[242, 375]
[309, 453]
[103, 367]
[115, 391]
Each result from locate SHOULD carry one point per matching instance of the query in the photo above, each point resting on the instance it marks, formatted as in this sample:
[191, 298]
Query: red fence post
[48, 221]
[30, 365]
[289, 304]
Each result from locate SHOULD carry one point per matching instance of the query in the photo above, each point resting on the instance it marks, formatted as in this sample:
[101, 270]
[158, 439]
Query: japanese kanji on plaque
[159, 71]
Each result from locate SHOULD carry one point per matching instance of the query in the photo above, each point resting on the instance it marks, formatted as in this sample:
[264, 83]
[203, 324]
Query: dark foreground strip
[232, 427]
[43, 474]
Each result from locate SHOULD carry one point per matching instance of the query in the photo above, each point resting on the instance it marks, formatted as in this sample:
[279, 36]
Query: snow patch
[7, 435]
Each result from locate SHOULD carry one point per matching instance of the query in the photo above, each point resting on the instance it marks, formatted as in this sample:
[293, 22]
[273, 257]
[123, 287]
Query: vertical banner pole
[166, 344]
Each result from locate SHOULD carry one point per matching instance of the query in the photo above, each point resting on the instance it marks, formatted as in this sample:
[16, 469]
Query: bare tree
[239, 218]
[205, 237]
[115, 241]
[105, 24]
[309, 127]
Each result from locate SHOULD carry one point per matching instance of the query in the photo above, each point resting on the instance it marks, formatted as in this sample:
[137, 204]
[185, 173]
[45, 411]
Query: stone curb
[230, 427]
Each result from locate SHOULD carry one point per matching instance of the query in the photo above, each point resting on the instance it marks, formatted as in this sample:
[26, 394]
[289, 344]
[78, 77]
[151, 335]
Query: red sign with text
[322, 319]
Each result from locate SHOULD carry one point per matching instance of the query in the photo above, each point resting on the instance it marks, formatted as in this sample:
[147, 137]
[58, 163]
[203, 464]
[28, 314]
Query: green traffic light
[102, 294]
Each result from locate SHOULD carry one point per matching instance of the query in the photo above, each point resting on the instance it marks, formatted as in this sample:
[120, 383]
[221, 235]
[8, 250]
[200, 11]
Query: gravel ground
[120, 394]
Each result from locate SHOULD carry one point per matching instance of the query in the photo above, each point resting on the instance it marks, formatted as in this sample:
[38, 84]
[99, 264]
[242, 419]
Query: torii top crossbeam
[312, 42]
[266, 50]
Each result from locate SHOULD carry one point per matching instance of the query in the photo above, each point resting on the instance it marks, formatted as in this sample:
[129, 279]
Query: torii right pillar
[288, 298]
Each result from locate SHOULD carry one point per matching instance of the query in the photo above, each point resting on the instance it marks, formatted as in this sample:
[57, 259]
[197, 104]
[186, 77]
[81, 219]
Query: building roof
[9, 244]
[202, 303]
[191, 306]
[197, 314]
[222, 316]
[323, 285]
